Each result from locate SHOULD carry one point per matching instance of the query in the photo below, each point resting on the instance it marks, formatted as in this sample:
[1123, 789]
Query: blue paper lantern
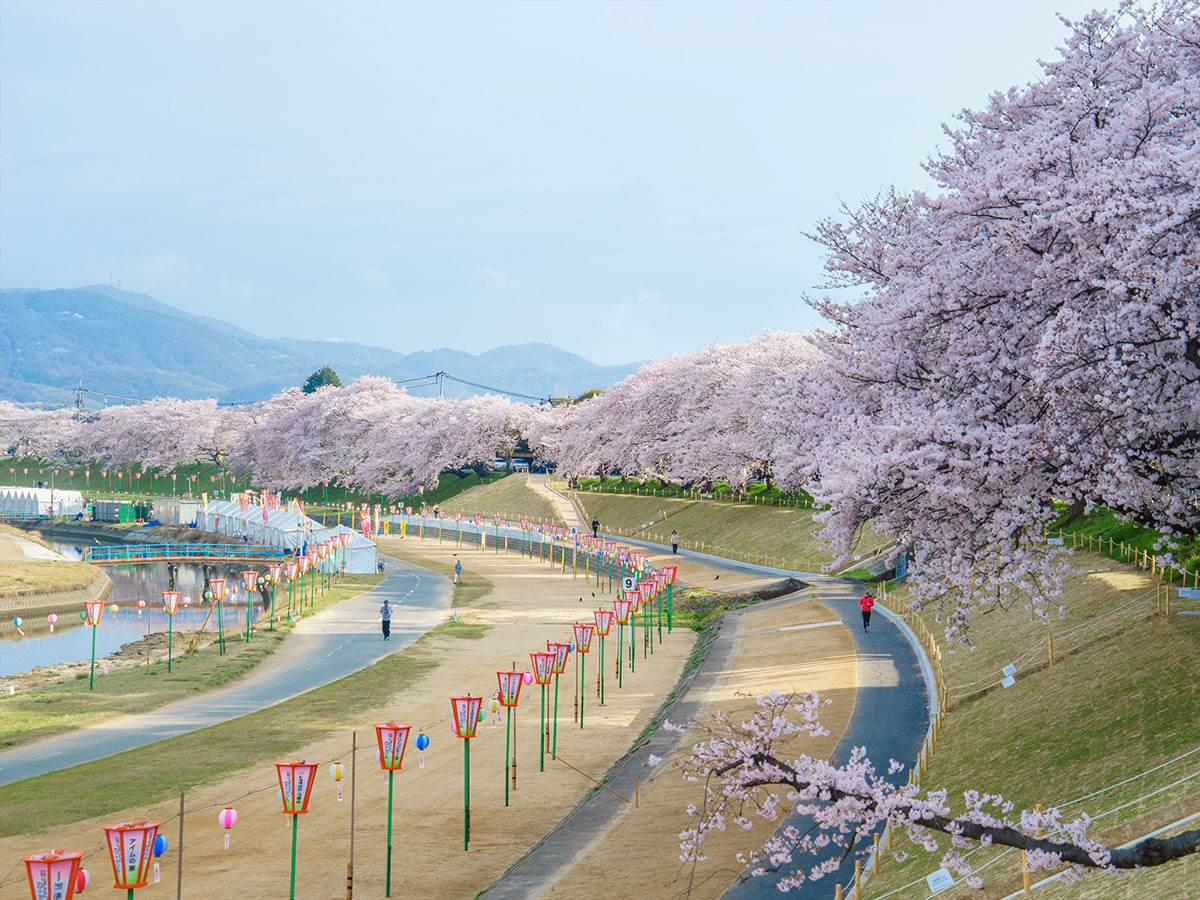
[18, 621]
[160, 845]
[422, 741]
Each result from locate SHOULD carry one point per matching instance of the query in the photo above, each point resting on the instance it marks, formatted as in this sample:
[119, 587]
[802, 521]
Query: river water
[71, 640]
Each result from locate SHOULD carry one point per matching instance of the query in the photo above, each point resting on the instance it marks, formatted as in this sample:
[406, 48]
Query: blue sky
[625, 180]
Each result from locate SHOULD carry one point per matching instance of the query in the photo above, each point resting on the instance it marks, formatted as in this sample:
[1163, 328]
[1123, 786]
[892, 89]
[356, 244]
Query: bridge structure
[126, 554]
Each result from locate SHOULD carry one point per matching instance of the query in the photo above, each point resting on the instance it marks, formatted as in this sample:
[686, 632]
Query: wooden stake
[858, 879]
[350, 864]
[875, 857]
[1052, 648]
[636, 792]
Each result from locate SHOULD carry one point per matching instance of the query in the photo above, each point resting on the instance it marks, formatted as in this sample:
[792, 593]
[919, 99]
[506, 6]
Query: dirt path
[16, 548]
[790, 644]
[531, 603]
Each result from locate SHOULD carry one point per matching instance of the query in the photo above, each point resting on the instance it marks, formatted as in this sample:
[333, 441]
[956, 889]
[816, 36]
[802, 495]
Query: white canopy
[282, 528]
[40, 501]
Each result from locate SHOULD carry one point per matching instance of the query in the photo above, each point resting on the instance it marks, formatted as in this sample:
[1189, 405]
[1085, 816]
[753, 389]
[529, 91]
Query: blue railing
[172, 552]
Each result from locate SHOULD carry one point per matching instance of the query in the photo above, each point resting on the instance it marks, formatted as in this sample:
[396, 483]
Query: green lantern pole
[466, 792]
[290, 581]
[554, 745]
[271, 627]
[170, 636]
[292, 888]
[92, 682]
[601, 676]
[669, 608]
[220, 629]
[387, 885]
[542, 734]
[507, 751]
[620, 646]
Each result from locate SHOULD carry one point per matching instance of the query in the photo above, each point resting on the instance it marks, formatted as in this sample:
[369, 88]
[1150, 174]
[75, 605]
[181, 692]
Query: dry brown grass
[18, 577]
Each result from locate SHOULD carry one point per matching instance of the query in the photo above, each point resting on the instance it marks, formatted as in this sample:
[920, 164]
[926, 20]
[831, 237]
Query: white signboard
[939, 881]
[1010, 669]
[629, 584]
[1009, 681]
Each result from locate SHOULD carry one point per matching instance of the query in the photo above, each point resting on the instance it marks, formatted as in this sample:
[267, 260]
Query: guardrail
[147, 553]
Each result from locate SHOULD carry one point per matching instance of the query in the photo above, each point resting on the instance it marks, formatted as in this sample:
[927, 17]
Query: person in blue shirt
[385, 616]
[457, 572]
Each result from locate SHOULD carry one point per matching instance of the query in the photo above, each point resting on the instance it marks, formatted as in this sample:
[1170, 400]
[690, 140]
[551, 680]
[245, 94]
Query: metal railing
[133, 553]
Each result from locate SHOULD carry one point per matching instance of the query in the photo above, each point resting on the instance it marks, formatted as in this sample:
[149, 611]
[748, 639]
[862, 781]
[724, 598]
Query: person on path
[385, 617]
[674, 542]
[866, 604]
[457, 572]
[595, 528]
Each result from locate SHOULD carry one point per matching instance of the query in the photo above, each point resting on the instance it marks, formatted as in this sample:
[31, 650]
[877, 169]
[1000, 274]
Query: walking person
[595, 528]
[457, 572]
[866, 604]
[385, 617]
[674, 542]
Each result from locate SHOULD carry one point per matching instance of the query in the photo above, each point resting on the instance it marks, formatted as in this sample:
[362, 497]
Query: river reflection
[72, 639]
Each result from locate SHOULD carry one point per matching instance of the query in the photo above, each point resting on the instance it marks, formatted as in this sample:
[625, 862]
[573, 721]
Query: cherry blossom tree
[1031, 332]
[746, 776]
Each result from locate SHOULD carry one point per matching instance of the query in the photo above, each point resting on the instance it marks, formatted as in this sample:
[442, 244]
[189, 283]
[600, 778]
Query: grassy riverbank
[66, 705]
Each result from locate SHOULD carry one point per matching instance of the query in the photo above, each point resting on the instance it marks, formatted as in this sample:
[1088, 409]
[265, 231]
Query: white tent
[282, 528]
[360, 553]
[31, 501]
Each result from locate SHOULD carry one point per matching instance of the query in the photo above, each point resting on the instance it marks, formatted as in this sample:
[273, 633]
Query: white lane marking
[804, 627]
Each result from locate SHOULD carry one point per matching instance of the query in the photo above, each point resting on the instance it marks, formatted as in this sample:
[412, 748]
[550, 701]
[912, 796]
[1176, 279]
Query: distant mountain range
[131, 345]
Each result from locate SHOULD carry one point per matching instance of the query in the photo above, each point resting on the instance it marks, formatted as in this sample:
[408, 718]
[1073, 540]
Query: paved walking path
[891, 715]
[566, 507]
[323, 648]
[16, 548]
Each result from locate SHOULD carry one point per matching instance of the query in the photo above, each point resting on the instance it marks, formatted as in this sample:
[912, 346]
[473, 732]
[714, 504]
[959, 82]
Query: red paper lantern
[604, 620]
[170, 602]
[583, 636]
[295, 785]
[635, 600]
[621, 609]
[217, 586]
[249, 578]
[53, 875]
[560, 651]
[304, 564]
[94, 610]
[130, 850]
[392, 738]
[274, 570]
[292, 569]
[543, 666]
[510, 687]
[466, 715]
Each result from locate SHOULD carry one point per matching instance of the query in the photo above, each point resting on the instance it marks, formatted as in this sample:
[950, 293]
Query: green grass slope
[1118, 702]
[509, 496]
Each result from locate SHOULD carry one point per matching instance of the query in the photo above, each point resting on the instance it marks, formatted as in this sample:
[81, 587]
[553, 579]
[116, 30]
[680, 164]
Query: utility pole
[441, 379]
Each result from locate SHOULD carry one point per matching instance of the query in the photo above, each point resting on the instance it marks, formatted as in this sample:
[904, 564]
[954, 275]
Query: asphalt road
[328, 646]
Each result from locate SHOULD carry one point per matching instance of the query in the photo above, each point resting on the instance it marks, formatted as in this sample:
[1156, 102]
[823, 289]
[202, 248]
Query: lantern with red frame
[273, 572]
[249, 579]
[543, 671]
[131, 850]
[604, 619]
[560, 651]
[646, 586]
[583, 644]
[392, 738]
[94, 610]
[53, 875]
[466, 721]
[217, 587]
[170, 605]
[295, 787]
[510, 692]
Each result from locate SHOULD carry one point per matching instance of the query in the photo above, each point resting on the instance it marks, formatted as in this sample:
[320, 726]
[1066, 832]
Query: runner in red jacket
[866, 604]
